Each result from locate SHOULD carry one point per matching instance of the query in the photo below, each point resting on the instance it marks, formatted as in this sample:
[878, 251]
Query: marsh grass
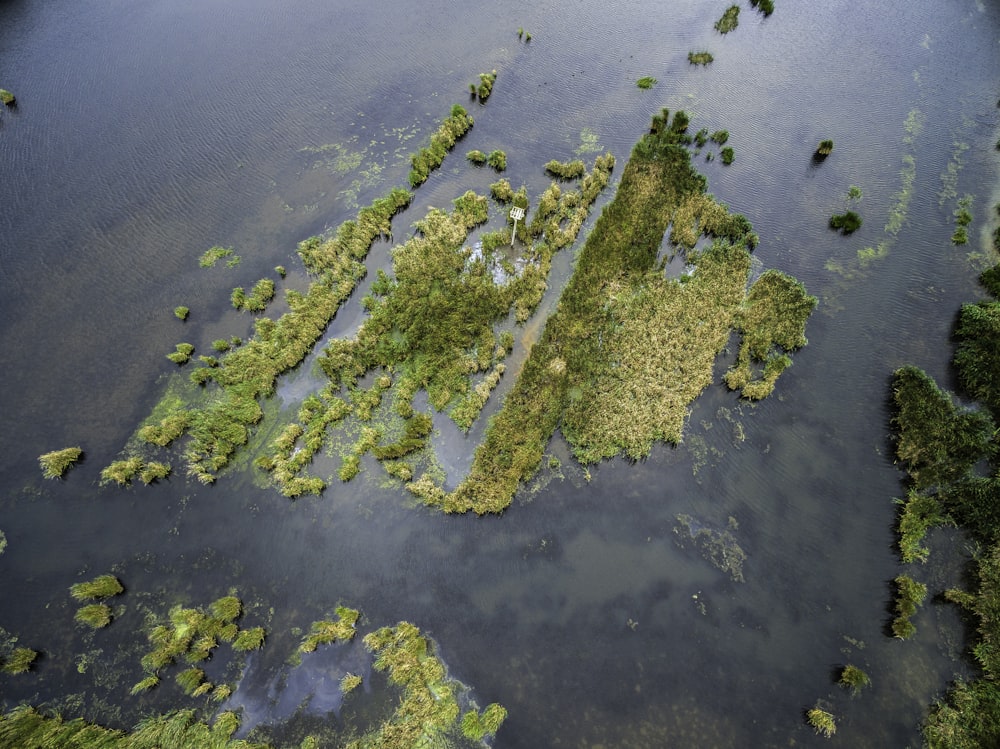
[329, 631]
[443, 140]
[94, 615]
[822, 722]
[25, 727]
[121, 472]
[7, 98]
[349, 682]
[824, 149]
[249, 639]
[55, 464]
[19, 661]
[182, 353]
[498, 160]
[103, 586]
[476, 157]
[428, 708]
[729, 20]
[920, 512]
[766, 7]
[181, 313]
[485, 87]
[700, 58]
[646, 82]
[854, 679]
[727, 154]
[628, 349]
[213, 255]
[909, 595]
[847, 222]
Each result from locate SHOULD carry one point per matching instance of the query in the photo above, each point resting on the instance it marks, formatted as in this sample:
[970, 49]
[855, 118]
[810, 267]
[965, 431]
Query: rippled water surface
[147, 131]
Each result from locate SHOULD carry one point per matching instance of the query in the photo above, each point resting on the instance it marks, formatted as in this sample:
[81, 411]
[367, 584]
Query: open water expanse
[148, 131]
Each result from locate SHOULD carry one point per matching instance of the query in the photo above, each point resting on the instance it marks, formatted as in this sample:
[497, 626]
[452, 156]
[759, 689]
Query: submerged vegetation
[55, 464]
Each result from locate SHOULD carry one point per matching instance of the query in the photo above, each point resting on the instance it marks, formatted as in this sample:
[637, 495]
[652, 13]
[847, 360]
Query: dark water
[146, 132]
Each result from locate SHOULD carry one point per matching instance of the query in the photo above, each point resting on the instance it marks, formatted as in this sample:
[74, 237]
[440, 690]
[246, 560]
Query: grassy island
[628, 348]
[55, 464]
[729, 20]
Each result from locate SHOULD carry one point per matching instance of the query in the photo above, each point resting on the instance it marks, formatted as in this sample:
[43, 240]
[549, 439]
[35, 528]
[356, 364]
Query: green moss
[55, 464]
[96, 615]
[729, 20]
[646, 82]
[103, 586]
[181, 313]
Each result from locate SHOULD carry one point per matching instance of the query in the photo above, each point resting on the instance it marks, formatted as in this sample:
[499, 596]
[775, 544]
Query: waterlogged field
[312, 443]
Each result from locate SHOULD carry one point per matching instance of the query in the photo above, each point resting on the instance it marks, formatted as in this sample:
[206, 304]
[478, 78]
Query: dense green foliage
[646, 82]
[95, 615]
[426, 160]
[103, 586]
[214, 254]
[485, 87]
[627, 349]
[326, 632]
[26, 728]
[56, 463]
[825, 148]
[700, 58]
[729, 21]
[181, 313]
[764, 6]
[18, 662]
[936, 440]
[6, 97]
[854, 679]
[847, 222]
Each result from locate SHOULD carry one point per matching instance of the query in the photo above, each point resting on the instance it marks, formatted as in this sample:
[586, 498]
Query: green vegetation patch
[937, 441]
[103, 586]
[213, 255]
[700, 58]
[256, 301]
[25, 727]
[627, 349]
[55, 464]
[822, 722]
[909, 595]
[443, 139]
[428, 708]
[847, 222]
[6, 97]
[329, 631]
[646, 82]
[485, 87]
[825, 148]
[855, 679]
[766, 7]
[19, 661]
[181, 313]
[729, 20]
[95, 615]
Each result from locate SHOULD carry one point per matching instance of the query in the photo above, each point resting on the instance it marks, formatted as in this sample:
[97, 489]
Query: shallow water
[147, 132]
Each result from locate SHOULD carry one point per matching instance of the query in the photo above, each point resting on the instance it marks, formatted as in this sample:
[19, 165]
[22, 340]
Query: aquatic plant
[190, 679]
[909, 595]
[96, 615]
[720, 137]
[920, 512]
[646, 82]
[182, 354]
[221, 345]
[428, 708]
[936, 440]
[181, 313]
[764, 6]
[103, 586]
[328, 631]
[55, 464]
[501, 191]
[960, 236]
[6, 97]
[824, 149]
[226, 609]
[854, 193]
[167, 430]
[700, 58]
[727, 154]
[280, 270]
[729, 20]
[498, 160]
[566, 170]
[153, 471]
[349, 682]
[822, 721]
[442, 140]
[19, 661]
[249, 639]
[854, 679]
[144, 685]
[476, 157]
[485, 87]
[214, 254]
[847, 222]
[121, 472]
[3, 542]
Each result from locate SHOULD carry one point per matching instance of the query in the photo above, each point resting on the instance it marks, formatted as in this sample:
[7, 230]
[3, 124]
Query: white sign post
[516, 213]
